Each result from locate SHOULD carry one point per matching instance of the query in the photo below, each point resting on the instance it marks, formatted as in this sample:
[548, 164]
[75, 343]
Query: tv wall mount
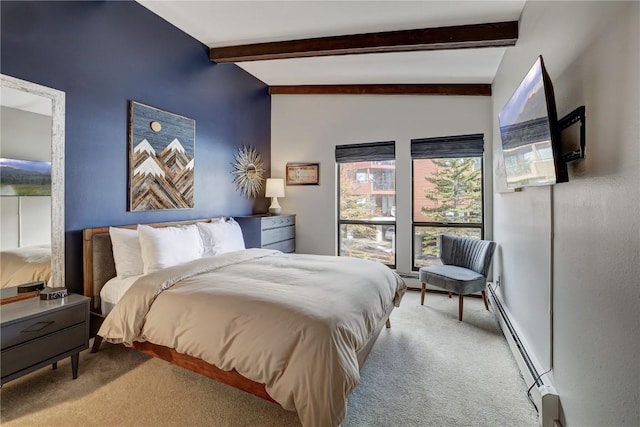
[577, 115]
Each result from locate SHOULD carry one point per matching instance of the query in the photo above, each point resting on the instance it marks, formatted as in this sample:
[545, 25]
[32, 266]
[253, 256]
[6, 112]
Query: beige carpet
[427, 370]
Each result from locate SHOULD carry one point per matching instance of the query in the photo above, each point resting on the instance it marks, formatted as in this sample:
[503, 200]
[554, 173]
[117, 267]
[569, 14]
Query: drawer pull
[34, 328]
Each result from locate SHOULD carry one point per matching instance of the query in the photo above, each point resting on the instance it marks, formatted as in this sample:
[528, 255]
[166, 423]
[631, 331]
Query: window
[361, 176]
[367, 201]
[447, 192]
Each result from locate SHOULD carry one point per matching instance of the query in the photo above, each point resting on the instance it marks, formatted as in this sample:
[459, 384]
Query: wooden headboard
[98, 262]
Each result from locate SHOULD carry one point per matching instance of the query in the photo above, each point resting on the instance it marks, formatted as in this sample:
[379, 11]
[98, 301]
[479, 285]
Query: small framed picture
[303, 173]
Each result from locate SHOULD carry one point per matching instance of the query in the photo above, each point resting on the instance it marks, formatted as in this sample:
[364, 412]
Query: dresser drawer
[33, 352]
[277, 221]
[38, 326]
[288, 246]
[274, 235]
[269, 232]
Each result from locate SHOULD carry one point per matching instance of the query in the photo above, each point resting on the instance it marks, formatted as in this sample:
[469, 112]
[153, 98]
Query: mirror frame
[57, 170]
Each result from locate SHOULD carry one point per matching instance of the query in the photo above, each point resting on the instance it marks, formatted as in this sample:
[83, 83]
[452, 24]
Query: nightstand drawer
[274, 235]
[25, 355]
[288, 246]
[277, 221]
[35, 327]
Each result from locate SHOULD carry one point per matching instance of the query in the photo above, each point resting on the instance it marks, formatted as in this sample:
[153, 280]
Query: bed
[290, 328]
[24, 265]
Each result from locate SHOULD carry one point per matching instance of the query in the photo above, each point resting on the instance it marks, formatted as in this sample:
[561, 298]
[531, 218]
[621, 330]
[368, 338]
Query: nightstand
[269, 231]
[36, 333]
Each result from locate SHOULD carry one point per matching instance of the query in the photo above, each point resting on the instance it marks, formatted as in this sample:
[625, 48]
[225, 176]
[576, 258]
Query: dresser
[36, 333]
[269, 231]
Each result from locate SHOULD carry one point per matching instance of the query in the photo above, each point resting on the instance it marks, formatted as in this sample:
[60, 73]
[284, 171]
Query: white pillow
[168, 246]
[221, 237]
[126, 252]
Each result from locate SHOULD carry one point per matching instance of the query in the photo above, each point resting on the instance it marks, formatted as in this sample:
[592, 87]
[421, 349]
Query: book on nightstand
[53, 293]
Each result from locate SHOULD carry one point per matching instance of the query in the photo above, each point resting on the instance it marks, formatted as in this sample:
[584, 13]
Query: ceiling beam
[457, 37]
[384, 89]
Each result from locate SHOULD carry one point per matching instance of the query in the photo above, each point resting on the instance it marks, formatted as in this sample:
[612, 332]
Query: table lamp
[275, 189]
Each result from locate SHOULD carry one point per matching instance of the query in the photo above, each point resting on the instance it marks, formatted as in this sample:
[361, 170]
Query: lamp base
[275, 208]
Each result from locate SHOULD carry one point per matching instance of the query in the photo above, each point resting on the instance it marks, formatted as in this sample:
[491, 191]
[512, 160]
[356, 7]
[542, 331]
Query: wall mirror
[31, 183]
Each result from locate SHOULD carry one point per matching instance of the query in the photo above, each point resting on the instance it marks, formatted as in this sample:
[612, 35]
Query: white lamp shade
[275, 187]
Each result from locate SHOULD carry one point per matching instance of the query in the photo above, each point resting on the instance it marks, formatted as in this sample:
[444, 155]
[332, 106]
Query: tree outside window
[447, 199]
[367, 210]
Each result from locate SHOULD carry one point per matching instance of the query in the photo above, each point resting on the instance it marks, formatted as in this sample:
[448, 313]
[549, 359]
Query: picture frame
[161, 159]
[303, 174]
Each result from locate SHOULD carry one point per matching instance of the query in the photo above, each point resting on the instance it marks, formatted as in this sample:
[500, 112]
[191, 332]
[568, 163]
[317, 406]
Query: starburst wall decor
[248, 174]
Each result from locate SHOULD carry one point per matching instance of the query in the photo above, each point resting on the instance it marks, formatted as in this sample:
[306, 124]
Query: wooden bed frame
[99, 267]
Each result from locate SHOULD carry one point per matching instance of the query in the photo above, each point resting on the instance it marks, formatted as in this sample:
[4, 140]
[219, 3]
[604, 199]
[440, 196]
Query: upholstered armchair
[464, 271]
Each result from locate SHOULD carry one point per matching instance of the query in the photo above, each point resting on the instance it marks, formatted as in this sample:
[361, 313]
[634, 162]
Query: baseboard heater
[412, 276]
[409, 275]
[542, 395]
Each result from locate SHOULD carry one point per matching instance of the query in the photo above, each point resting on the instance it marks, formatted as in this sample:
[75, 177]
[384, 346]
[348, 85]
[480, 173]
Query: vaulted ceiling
[354, 46]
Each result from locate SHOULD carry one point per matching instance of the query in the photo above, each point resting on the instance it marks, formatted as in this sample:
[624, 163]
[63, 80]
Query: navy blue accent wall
[105, 53]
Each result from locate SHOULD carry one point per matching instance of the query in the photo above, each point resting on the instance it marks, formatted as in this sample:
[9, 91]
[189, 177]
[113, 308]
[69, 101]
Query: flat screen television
[530, 133]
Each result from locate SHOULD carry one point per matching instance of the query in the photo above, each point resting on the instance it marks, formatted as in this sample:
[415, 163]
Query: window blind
[443, 147]
[368, 152]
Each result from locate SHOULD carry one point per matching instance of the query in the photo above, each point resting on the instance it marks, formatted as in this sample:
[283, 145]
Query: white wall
[591, 52]
[9, 222]
[25, 135]
[306, 128]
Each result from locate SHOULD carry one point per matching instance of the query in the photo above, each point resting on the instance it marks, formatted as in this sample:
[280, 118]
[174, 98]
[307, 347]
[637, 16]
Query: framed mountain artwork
[161, 159]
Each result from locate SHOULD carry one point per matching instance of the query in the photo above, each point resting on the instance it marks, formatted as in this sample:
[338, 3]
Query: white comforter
[292, 322]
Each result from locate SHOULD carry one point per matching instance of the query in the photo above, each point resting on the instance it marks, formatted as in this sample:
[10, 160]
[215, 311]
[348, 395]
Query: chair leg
[460, 299]
[484, 298]
[424, 290]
